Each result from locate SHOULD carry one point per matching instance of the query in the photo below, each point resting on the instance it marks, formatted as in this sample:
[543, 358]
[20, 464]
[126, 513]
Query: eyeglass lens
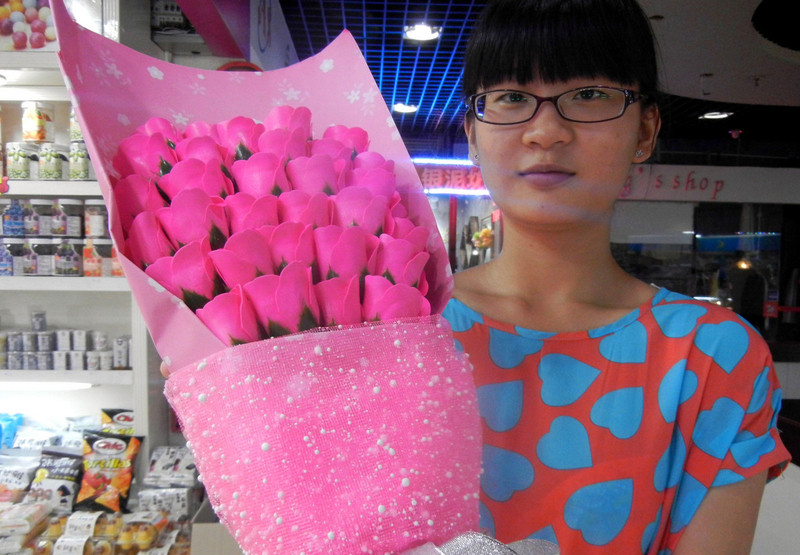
[591, 104]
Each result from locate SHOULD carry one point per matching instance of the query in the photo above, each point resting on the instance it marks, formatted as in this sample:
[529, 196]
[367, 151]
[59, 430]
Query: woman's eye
[512, 98]
[590, 94]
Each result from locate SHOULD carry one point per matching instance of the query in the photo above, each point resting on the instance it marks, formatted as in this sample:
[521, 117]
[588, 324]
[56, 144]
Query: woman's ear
[469, 130]
[648, 133]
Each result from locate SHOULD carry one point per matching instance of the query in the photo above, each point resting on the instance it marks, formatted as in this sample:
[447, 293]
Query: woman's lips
[545, 177]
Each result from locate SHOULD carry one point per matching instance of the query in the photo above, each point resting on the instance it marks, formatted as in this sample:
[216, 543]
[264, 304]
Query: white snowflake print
[180, 119]
[292, 94]
[363, 96]
[197, 89]
[236, 76]
[113, 70]
[123, 119]
[326, 65]
[288, 93]
[155, 73]
[353, 96]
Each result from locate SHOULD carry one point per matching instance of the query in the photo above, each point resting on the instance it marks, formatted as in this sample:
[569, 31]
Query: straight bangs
[564, 40]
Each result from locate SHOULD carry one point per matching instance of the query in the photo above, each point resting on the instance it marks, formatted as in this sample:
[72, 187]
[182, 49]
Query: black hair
[559, 40]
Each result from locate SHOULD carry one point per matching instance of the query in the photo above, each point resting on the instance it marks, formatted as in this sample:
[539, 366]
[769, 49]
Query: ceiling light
[716, 115]
[401, 108]
[421, 32]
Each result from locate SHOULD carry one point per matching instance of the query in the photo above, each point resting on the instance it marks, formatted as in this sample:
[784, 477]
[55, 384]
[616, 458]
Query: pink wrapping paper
[362, 439]
[116, 89]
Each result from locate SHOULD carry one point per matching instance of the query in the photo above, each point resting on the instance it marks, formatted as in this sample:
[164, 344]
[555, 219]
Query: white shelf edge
[41, 59]
[21, 188]
[95, 377]
[69, 284]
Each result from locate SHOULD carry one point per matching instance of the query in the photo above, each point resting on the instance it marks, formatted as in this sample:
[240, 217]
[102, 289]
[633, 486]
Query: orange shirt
[606, 441]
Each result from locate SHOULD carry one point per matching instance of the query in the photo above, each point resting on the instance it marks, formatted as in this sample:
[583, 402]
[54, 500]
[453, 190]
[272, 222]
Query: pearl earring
[476, 157]
[639, 153]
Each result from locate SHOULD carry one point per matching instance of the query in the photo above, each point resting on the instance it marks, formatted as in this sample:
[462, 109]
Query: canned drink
[63, 340]
[29, 341]
[3, 360]
[77, 360]
[14, 341]
[60, 360]
[79, 165]
[45, 341]
[3, 341]
[93, 360]
[38, 320]
[30, 361]
[79, 340]
[44, 360]
[14, 361]
[121, 358]
[99, 340]
[106, 360]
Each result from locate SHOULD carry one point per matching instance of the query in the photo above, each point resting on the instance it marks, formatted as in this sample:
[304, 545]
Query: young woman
[619, 418]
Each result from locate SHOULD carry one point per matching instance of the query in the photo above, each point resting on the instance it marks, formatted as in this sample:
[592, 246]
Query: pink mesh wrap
[354, 440]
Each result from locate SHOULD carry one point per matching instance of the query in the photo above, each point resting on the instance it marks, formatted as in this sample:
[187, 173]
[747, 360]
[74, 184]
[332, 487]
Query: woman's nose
[547, 128]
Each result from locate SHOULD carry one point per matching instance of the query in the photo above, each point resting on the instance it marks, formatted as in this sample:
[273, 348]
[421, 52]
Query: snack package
[108, 465]
[97, 524]
[57, 479]
[117, 421]
[73, 545]
[17, 468]
[179, 503]
[23, 518]
[171, 467]
[32, 437]
[140, 530]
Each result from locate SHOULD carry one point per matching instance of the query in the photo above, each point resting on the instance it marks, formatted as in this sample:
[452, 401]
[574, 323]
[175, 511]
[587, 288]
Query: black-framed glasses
[583, 105]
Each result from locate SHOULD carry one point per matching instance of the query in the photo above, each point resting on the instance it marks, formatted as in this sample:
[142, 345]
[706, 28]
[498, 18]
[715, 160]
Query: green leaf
[216, 238]
[307, 320]
[193, 300]
[242, 152]
[164, 166]
[277, 330]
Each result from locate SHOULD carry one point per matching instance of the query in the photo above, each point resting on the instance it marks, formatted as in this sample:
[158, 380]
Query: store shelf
[68, 189]
[94, 377]
[35, 60]
[63, 283]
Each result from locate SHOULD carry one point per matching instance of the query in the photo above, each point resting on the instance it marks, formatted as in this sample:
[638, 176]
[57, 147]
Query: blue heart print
[460, 316]
[600, 511]
[547, 534]
[748, 448]
[504, 473]
[628, 345]
[688, 498]
[716, 429]
[564, 379]
[725, 477]
[566, 446]
[500, 404]
[485, 520]
[620, 411]
[760, 392]
[650, 531]
[670, 465]
[726, 343]
[677, 320]
[677, 387]
[508, 350]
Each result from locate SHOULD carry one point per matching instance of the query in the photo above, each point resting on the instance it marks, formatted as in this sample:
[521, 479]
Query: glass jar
[29, 261]
[18, 160]
[45, 249]
[52, 158]
[4, 204]
[15, 246]
[6, 258]
[68, 258]
[67, 217]
[95, 218]
[14, 219]
[75, 133]
[79, 164]
[38, 122]
[37, 216]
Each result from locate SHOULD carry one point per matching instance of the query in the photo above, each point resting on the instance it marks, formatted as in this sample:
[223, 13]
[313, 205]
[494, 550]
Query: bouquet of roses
[288, 267]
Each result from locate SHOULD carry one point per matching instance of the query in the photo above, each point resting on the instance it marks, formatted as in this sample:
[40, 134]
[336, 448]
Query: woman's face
[554, 173]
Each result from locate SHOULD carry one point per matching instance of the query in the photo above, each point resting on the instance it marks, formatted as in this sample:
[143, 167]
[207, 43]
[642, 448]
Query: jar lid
[98, 241]
[69, 241]
[53, 146]
[36, 104]
[23, 146]
[70, 201]
[94, 202]
[13, 240]
[40, 201]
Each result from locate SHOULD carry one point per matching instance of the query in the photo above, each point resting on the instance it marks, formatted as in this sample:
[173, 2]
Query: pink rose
[314, 209]
[283, 143]
[354, 138]
[359, 206]
[261, 174]
[198, 129]
[202, 148]
[401, 261]
[193, 216]
[314, 174]
[147, 155]
[245, 256]
[289, 118]
[344, 252]
[339, 301]
[385, 301]
[330, 147]
[231, 318]
[290, 242]
[146, 241]
[134, 194]
[189, 275]
[286, 303]
[196, 174]
[162, 126]
[373, 171]
[247, 212]
[239, 136]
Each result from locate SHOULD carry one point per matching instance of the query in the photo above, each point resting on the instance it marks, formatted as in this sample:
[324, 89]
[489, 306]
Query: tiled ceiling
[428, 75]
